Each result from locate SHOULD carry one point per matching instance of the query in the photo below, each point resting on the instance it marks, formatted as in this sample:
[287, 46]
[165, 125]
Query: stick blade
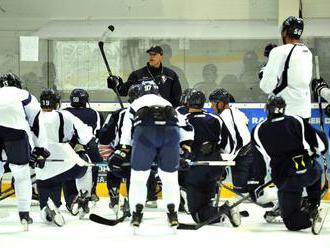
[183, 226]
[99, 219]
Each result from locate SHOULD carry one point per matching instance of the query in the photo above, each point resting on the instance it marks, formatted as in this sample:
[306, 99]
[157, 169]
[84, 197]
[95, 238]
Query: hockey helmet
[294, 26]
[148, 87]
[275, 107]
[221, 95]
[79, 98]
[10, 79]
[196, 99]
[50, 99]
[133, 92]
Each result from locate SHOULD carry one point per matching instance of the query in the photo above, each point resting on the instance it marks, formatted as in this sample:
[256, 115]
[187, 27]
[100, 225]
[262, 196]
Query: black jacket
[166, 79]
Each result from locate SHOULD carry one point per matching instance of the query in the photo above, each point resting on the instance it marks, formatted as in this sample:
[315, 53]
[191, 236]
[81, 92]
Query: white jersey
[240, 134]
[20, 110]
[150, 100]
[59, 134]
[295, 88]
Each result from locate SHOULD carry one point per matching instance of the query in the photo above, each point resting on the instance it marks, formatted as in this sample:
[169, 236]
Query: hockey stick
[184, 226]
[108, 222]
[266, 205]
[325, 187]
[101, 46]
[212, 163]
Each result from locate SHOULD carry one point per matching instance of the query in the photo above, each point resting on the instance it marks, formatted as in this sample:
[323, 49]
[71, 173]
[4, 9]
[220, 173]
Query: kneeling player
[291, 158]
[201, 182]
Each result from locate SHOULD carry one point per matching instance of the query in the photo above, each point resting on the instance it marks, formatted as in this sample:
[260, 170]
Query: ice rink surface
[153, 232]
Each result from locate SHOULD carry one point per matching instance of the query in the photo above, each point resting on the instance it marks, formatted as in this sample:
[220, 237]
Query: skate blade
[316, 229]
[135, 230]
[25, 225]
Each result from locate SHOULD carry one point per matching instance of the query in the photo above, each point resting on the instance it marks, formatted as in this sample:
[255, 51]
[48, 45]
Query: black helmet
[148, 87]
[221, 95]
[275, 107]
[268, 48]
[10, 79]
[196, 99]
[49, 99]
[294, 26]
[184, 96]
[133, 93]
[79, 98]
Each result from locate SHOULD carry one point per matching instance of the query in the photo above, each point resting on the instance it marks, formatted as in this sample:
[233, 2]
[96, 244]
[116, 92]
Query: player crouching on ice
[289, 145]
[63, 164]
[212, 139]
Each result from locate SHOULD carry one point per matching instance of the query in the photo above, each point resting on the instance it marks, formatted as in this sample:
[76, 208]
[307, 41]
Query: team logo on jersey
[163, 78]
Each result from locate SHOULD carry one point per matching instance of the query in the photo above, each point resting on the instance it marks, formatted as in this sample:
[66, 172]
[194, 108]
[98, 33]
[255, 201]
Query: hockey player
[79, 100]
[291, 159]
[211, 140]
[236, 122]
[156, 135]
[110, 134]
[289, 70]
[63, 164]
[20, 130]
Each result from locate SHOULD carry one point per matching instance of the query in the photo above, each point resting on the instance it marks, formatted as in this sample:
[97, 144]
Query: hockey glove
[116, 160]
[185, 160]
[38, 157]
[114, 81]
[318, 85]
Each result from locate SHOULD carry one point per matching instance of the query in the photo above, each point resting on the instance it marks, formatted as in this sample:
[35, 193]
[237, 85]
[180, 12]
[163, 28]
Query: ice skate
[25, 219]
[319, 217]
[80, 205]
[233, 214]
[274, 215]
[52, 214]
[137, 217]
[172, 217]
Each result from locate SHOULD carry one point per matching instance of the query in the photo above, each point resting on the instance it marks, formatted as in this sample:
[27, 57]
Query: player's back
[12, 112]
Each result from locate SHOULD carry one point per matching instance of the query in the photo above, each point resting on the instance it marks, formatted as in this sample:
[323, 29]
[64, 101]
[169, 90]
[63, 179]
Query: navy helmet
[50, 99]
[79, 98]
[10, 79]
[148, 87]
[275, 107]
[220, 95]
[133, 92]
[294, 26]
[196, 99]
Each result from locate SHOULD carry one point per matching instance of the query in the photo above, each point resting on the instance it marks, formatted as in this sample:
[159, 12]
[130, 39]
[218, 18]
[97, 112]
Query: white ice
[153, 232]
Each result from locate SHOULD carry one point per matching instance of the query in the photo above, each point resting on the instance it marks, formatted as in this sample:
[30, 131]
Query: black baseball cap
[155, 49]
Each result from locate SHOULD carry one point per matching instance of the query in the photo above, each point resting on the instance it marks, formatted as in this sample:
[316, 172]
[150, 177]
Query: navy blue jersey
[281, 140]
[209, 128]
